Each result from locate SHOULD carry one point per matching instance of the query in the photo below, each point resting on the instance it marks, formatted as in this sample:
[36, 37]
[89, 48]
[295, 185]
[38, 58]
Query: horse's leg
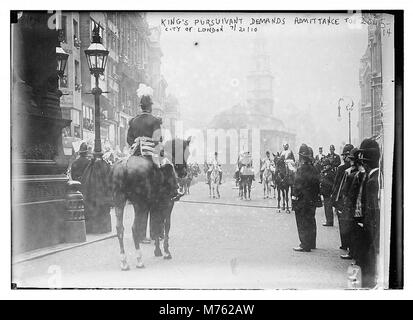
[249, 188]
[219, 196]
[139, 229]
[167, 221]
[120, 230]
[283, 190]
[157, 225]
[287, 192]
[279, 196]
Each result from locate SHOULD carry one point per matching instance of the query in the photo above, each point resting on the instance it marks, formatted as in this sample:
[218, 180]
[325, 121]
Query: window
[88, 122]
[76, 40]
[75, 117]
[77, 75]
[64, 29]
[64, 80]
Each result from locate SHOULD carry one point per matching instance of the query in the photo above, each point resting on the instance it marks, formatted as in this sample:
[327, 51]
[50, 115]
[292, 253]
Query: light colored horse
[267, 178]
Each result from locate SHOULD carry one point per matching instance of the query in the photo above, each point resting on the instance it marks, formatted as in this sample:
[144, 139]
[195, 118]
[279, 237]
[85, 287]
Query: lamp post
[95, 178]
[348, 103]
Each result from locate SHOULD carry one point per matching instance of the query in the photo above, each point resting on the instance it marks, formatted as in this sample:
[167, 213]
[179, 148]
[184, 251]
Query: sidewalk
[43, 252]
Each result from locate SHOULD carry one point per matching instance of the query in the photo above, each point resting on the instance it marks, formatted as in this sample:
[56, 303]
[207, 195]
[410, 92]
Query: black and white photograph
[201, 150]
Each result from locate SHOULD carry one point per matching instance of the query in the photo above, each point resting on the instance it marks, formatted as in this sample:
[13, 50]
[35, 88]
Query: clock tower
[260, 81]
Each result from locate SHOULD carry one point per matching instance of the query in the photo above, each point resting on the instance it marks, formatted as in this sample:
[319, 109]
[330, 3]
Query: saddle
[145, 147]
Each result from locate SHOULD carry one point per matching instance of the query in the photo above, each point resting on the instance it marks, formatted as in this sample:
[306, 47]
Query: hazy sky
[313, 65]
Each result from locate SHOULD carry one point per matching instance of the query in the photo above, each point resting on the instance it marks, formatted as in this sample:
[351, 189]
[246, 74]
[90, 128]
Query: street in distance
[213, 309]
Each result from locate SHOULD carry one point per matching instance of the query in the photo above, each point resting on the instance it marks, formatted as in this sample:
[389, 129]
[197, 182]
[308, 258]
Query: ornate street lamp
[348, 103]
[95, 178]
[97, 57]
[61, 57]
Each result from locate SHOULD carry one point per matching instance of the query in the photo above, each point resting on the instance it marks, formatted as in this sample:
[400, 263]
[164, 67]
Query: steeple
[260, 80]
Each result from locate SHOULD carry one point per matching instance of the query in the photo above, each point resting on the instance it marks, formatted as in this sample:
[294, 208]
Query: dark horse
[148, 188]
[284, 179]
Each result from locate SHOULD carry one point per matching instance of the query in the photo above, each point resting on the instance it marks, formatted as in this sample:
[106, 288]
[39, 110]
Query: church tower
[260, 81]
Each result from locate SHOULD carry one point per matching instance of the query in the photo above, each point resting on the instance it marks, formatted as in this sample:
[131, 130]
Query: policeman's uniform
[337, 196]
[370, 212]
[327, 180]
[305, 193]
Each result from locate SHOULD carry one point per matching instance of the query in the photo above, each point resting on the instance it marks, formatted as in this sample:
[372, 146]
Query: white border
[143, 5]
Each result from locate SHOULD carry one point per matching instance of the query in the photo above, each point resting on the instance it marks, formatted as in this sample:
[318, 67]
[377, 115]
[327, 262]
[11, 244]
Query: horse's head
[178, 150]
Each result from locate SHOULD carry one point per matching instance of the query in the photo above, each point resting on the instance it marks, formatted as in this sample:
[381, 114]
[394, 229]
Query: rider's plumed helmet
[145, 94]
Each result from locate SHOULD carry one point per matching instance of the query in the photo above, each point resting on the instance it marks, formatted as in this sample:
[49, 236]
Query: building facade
[134, 58]
[370, 79]
[257, 128]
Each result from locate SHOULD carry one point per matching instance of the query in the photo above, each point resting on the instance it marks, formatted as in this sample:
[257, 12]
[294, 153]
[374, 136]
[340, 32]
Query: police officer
[337, 196]
[326, 187]
[349, 194]
[80, 164]
[370, 212]
[305, 193]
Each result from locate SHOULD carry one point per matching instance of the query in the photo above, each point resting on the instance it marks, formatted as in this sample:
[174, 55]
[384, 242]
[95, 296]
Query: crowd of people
[351, 189]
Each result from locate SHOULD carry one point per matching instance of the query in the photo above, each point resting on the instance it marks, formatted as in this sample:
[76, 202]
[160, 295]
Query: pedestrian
[334, 158]
[337, 195]
[305, 193]
[368, 211]
[319, 159]
[327, 176]
[81, 163]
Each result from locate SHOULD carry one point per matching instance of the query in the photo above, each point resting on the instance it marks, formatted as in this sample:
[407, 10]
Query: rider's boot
[177, 195]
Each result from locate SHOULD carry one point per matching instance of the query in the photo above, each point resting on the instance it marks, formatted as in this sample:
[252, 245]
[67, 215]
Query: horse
[185, 183]
[267, 178]
[284, 180]
[214, 181]
[245, 184]
[138, 180]
[207, 173]
[245, 176]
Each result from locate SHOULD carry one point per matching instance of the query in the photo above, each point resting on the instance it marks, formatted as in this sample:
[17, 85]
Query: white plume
[144, 90]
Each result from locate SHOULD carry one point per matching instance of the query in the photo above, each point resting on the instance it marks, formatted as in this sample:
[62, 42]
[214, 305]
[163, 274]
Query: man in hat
[144, 135]
[305, 193]
[370, 212]
[327, 176]
[319, 159]
[334, 158]
[80, 164]
[287, 153]
[349, 194]
[337, 195]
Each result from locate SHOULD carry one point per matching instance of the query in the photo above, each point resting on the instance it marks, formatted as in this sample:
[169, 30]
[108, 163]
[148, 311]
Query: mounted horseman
[285, 169]
[246, 175]
[142, 180]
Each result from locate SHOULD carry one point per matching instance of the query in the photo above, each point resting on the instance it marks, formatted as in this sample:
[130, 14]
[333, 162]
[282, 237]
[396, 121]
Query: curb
[229, 204]
[69, 247]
